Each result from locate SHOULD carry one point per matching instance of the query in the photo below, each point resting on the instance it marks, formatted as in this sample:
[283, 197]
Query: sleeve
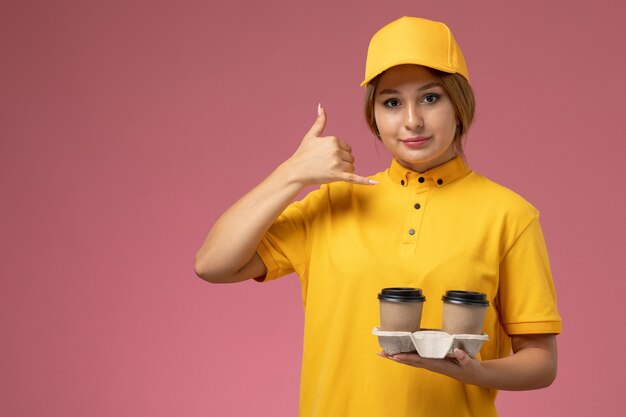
[285, 246]
[527, 296]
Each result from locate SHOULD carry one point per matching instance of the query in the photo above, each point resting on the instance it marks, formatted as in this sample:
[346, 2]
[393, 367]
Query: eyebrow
[422, 88]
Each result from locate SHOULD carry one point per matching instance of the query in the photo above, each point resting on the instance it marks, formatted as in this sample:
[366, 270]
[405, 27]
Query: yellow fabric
[346, 242]
[413, 40]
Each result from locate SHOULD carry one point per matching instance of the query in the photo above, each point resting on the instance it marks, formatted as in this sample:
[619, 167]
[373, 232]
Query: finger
[320, 123]
[346, 167]
[344, 146]
[357, 179]
[412, 359]
[462, 358]
[347, 157]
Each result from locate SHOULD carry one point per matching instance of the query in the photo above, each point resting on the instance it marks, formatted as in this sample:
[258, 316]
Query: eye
[391, 102]
[430, 98]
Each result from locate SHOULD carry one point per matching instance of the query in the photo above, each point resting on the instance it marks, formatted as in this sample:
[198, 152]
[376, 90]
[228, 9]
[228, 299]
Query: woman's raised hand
[323, 159]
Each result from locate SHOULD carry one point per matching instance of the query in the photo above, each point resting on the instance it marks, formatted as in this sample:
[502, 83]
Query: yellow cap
[412, 40]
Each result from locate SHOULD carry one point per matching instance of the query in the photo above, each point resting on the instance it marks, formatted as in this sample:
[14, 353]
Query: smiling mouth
[415, 142]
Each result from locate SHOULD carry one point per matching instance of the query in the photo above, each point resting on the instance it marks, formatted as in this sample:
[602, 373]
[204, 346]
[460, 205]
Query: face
[415, 117]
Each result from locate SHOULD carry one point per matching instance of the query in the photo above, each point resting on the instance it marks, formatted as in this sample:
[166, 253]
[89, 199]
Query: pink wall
[126, 127]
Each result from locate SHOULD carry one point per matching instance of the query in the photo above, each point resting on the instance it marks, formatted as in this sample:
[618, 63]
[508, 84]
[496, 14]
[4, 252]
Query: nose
[412, 117]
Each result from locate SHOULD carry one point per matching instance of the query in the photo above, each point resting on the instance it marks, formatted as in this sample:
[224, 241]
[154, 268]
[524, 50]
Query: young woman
[427, 221]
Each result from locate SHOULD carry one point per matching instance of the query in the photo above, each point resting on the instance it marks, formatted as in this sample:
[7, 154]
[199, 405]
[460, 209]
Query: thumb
[320, 123]
[462, 358]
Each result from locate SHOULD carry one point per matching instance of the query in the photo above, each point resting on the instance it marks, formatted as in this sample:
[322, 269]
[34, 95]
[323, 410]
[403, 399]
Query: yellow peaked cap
[413, 40]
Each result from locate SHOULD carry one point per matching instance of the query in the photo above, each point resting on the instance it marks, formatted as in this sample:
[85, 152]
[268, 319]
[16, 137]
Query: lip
[416, 141]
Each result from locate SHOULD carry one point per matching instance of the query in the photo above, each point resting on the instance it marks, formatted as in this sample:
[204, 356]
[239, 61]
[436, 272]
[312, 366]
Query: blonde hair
[456, 87]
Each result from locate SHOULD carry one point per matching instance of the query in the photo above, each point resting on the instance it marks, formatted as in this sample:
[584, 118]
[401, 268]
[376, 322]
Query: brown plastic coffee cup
[464, 312]
[401, 309]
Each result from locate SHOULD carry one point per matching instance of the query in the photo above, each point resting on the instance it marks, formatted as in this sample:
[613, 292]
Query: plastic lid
[466, 297]
[401, 294]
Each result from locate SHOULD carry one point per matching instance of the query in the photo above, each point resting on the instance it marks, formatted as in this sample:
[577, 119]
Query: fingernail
[319, 109]
[373, 182]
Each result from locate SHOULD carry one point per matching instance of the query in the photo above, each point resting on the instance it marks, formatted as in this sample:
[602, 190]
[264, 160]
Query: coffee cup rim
[472, 298]
[401, 294]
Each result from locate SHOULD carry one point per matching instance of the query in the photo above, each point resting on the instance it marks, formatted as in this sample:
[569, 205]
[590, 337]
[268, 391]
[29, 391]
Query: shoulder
[339, 190]
[496, 198]
[325, 196]
[339, 195]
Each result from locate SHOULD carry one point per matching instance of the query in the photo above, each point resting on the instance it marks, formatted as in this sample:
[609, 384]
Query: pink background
[127, 127]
